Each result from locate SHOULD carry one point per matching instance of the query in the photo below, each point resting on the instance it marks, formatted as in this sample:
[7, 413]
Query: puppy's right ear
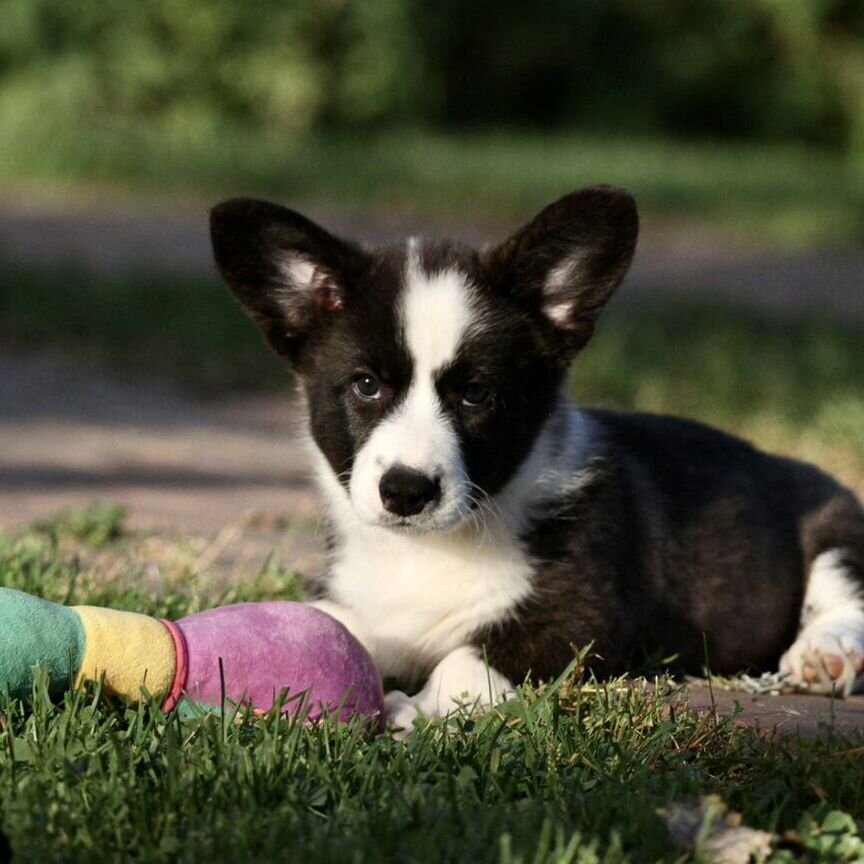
[289, 274]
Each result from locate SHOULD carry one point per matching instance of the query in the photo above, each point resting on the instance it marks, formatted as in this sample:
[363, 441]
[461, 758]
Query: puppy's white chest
[418, 598]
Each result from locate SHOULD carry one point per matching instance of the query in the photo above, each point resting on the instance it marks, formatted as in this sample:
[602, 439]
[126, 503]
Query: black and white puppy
[481, 526]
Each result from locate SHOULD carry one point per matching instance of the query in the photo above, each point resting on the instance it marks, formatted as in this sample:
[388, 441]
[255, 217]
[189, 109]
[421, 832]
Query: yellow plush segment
[132, 651]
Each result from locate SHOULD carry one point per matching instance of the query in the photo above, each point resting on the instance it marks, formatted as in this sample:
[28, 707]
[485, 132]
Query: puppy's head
[429, 368]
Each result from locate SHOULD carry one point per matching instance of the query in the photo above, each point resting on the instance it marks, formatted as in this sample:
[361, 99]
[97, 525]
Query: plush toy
[248, 654]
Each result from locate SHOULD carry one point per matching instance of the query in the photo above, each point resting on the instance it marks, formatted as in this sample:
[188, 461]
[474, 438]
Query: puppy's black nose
[406, 492]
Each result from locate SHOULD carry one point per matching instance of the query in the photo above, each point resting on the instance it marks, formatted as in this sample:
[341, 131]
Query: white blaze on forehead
[436, 312]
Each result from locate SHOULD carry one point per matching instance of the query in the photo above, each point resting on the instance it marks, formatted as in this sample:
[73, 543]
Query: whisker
[486, 502]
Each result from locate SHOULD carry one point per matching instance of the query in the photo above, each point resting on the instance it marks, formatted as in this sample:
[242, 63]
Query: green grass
[793, 385]
[572, 773]
[97, 526]
[780, 193]
[70, 558]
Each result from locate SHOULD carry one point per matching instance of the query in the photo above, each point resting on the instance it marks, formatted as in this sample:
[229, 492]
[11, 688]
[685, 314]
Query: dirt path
[786, 714]
[69, 438]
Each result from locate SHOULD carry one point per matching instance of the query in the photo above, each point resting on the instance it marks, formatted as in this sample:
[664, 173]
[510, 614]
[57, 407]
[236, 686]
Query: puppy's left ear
[570, 258]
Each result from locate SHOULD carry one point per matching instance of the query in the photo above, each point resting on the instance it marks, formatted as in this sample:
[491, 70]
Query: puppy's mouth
[414, 526]
[406, 526]
[431, 523]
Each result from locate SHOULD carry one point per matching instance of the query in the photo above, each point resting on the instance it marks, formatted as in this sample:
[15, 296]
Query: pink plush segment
[181, 668]
[267, 648]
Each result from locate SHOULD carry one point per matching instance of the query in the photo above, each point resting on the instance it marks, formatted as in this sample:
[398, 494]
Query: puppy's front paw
[829, 660]
[402, 711]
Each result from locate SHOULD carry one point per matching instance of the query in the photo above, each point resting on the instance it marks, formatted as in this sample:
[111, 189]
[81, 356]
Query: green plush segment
[34, 632]
[189, 710]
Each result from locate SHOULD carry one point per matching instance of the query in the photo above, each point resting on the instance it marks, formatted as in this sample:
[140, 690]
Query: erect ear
[288, 273]
[570, 258]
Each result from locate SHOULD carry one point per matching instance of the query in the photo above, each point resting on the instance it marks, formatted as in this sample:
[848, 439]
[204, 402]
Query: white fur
[462, 680]
[298, 271]
[437, 309]
[435, 314]
[828, 654]
[556, 468]
[419, 436]
[415, 599]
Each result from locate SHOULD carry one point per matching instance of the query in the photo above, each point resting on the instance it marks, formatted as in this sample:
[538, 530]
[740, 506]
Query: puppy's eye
[476, 395]
[367, 387]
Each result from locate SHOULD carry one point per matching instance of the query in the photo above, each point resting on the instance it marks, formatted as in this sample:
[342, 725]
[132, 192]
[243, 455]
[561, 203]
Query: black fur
[686, 541]
[347, 323]
[681, 540]
[249, 240]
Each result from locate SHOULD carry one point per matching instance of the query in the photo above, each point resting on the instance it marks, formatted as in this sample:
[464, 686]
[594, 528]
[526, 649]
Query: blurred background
[128, 375]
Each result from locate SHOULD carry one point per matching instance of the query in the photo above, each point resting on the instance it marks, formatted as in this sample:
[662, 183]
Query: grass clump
[572, 772]
[135, 573]
[537, 780]
[96, 526]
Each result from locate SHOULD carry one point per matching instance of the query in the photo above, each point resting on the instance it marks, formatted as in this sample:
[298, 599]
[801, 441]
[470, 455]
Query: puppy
[481, 526]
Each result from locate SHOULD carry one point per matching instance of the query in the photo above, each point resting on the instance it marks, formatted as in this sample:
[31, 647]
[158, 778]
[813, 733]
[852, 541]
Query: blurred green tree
[737, 68]
[198, 64]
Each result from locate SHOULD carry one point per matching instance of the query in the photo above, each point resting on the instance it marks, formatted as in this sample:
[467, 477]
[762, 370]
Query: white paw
[402, 711]
[460, 682]
[826, 660]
